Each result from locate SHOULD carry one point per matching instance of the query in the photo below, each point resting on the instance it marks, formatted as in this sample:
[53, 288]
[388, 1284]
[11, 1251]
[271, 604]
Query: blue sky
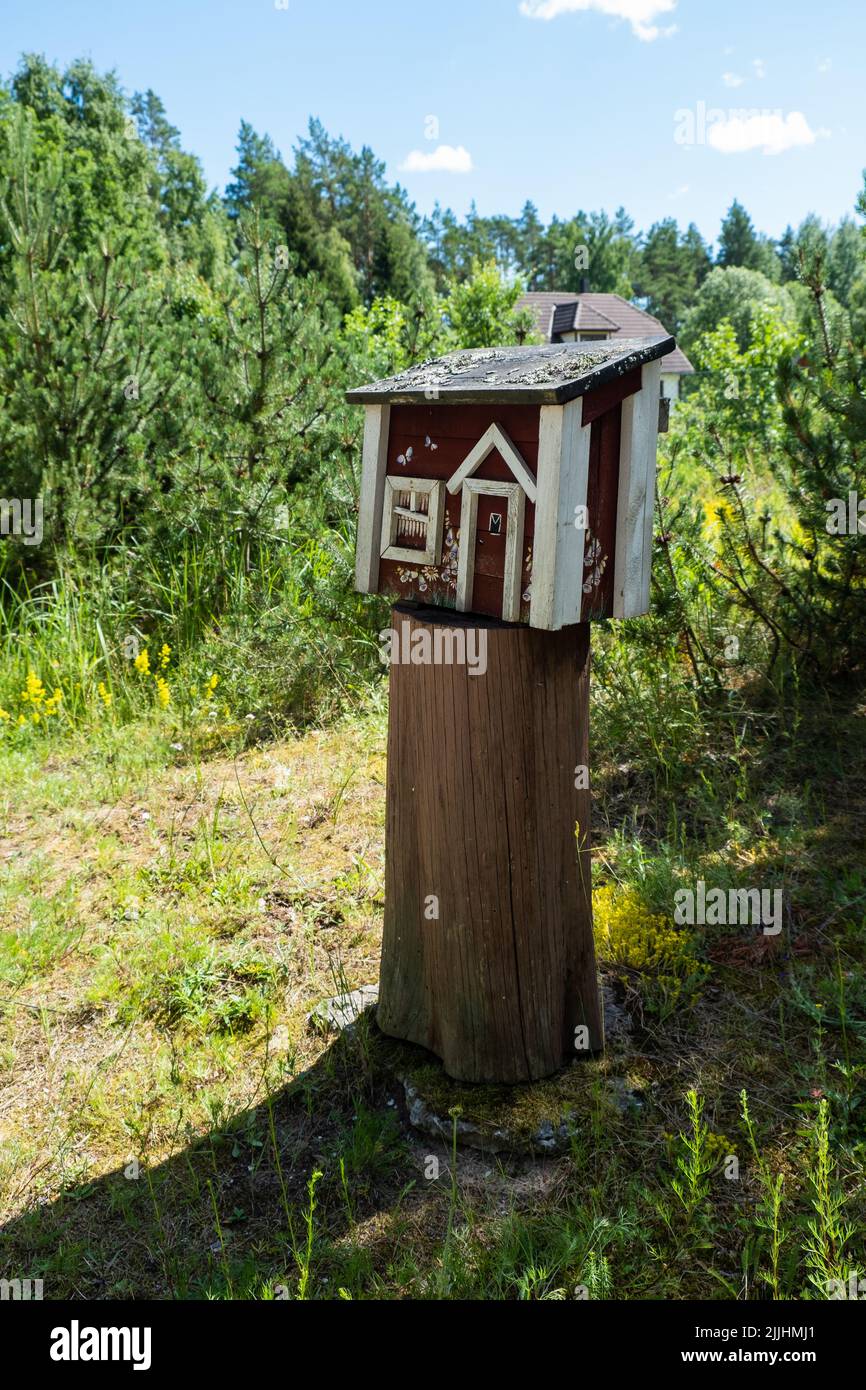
[668, 107]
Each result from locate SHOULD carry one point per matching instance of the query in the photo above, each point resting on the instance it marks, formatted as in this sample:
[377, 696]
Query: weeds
[304, 1257]
[828, 1236]
[695, 1165]
[769, 1215]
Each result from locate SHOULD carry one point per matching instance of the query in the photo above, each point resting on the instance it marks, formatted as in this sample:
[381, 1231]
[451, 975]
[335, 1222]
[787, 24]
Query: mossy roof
[546, 375]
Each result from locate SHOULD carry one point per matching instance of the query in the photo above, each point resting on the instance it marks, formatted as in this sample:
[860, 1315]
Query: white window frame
[391, 515]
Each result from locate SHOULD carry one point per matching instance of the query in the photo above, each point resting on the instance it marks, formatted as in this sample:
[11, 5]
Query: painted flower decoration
[593, 560]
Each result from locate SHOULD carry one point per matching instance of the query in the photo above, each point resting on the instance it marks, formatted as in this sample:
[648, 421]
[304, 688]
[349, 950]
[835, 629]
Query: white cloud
[767, 131]
[732, 79]
[825, 65]
[681, 191]
[445, 159]
[760, 67]
[640, 14]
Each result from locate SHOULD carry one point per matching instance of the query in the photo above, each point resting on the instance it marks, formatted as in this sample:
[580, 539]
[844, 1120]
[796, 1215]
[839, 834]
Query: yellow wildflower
[717, 510]
[213, 682]
[164, 655]
[142, 663]
[163, 694]
[105, 695]
[626, 933]
[4, 714]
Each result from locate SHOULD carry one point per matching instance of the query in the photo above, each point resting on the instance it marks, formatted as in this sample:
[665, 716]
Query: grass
[216, 647]
[174, 1128]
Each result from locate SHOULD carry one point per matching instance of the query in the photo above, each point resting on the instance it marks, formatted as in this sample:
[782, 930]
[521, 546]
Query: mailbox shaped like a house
[517, 483]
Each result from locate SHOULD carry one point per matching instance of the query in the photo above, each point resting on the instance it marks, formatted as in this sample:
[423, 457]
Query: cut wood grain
[488, 955]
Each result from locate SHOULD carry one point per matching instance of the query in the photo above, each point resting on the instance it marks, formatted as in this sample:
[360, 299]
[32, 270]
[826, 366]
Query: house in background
[563, 317]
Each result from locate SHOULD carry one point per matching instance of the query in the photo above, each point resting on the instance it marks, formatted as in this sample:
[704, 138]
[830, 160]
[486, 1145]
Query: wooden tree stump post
[488, 957]
[512, 489]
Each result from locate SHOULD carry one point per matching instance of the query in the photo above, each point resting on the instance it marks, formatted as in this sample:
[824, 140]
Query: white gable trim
[494, 437]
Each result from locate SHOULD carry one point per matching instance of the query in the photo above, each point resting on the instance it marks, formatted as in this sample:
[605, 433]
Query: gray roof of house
[558, 312]
[547, 375]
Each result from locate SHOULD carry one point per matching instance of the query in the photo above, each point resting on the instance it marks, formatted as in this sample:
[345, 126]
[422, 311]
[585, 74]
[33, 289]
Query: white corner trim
[558, 546]
[391, 514]
[374, 458]
[636, 498]
[494, 437]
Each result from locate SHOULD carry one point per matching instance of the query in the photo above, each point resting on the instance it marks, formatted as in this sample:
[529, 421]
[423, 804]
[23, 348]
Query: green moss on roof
[552, 373]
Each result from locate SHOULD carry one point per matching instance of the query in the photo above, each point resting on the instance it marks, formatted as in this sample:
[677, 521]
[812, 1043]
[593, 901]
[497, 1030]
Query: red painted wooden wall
[440, 438]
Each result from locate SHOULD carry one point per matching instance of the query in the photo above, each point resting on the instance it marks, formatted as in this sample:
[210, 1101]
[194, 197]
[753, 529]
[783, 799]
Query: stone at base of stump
[545, 1139]
[535, 1119]
[532, 1119]
[343, 1010]
[542, 1122]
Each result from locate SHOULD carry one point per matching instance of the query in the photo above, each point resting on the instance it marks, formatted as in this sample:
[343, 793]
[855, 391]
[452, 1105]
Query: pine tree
[259, 178]
[845, 258]
[530, 234]
[671, 269]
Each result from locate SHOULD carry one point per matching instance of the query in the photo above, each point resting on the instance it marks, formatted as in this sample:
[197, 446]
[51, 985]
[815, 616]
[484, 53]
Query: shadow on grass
[323, 1190]
[238, 1213]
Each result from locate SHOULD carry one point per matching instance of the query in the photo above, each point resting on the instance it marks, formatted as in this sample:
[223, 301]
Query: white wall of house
[572, 337]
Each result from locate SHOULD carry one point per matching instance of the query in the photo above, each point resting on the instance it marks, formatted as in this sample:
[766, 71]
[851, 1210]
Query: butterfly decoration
[428, 443]
[403, 459]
